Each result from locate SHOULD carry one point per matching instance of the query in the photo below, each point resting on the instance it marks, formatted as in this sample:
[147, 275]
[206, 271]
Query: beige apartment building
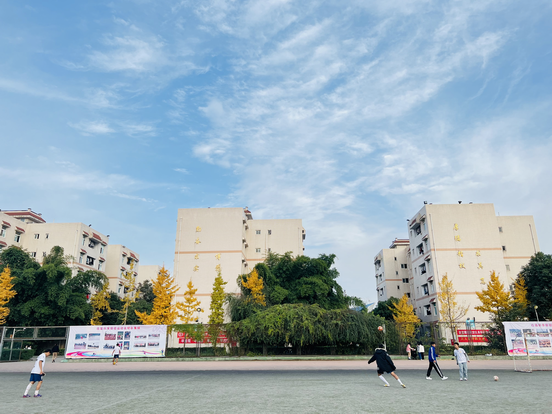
[393, 270]
[148, 272]
[120, 259]
[466, 242]
[229, 240]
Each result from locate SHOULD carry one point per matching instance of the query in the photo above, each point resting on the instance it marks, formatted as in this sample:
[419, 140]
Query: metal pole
[536, 307]
[2, 341]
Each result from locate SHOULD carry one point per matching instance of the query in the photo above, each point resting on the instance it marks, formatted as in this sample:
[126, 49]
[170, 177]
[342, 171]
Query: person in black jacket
[385, 364]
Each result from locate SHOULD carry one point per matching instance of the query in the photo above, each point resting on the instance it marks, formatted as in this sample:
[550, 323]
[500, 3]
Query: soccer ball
[495, 378]
[380, 328]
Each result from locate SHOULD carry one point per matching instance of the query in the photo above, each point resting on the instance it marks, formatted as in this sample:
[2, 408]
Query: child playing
[462, 361]
[385, 364]
[37, 373]
[116, 352]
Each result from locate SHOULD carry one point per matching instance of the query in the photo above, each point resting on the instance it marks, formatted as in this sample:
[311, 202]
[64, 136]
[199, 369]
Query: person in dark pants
[385, 364]
[433, 363]
[420, 350]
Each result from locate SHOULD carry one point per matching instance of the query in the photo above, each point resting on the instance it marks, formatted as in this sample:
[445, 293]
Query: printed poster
[537, 336]
[136, 341]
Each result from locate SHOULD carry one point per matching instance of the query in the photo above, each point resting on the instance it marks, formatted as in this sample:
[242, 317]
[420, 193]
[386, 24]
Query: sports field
[303, 388]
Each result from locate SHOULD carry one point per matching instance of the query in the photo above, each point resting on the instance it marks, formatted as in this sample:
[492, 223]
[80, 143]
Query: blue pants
[463, 369]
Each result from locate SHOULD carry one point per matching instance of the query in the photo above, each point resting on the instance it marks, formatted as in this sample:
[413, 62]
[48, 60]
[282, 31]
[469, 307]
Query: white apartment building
[466, 242]
[85, 246]
[393, 270]
[229, 240]
[120, 259]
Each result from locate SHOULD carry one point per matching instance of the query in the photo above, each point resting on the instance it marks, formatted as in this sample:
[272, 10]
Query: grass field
[326, 391]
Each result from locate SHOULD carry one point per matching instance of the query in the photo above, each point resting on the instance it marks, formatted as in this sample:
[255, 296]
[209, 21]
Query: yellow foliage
[99, 302]
[164, 312]
[217, 301]
[256, 285]
[449, 309]
[129, 285]
[190, 305]
[495, 298]
[403, 314]
[520, 294]
[6, 293]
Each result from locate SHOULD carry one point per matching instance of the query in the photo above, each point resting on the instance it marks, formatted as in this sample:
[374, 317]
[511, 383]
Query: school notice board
[537, 335]
[136, 341]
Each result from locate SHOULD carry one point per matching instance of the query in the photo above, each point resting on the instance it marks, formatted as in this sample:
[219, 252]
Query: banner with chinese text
[136, 341]
[537, 335]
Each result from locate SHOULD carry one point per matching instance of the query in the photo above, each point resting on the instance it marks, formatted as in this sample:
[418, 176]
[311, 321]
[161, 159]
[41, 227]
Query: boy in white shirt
[37, 373]
[116, 353]
[462, 361]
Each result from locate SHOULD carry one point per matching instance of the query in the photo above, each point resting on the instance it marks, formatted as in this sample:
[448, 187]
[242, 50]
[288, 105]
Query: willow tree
[450, 311]
[6, 293]
[164, 311]
[99, 302]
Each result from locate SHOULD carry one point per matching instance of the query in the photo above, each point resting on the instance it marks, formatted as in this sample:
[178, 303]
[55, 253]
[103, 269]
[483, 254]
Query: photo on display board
[127, 335]
[155, 335]
[139, 345]
[120, 336]
[81, 345]
[140, 336]
[94, 345]
[109, 346]
[516, 333]
[544, 343]
[94, 336]
[153, 344]
[110, 336]
[80, 336]
[126, 345]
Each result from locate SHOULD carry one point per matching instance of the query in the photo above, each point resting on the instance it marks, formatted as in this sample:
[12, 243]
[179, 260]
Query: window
[3, 232]
[435, 308]
[396, 272]
[37, 236]
[47, 235]
[257, 232]
[500, 229]
[398, 287]
[80, 258]
[270, 232]
[83, 240]
[431, 287]
[43, 254]
[395, 259]
[405, 280]
[100, 265]
[119, 291]
[258, 250]
[403, 266]
[503, 248]
[33, 254]
[427, 310]
[89, 261]
[91, 244]
[508, 268]
[408, 296]
[17, 237]
[423, 269]
[269, 249]
[426, 289]
[129, 260]
[101, 249]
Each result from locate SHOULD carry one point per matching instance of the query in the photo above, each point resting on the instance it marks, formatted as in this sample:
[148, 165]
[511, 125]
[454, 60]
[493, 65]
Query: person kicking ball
[37, 373]
[385, 364]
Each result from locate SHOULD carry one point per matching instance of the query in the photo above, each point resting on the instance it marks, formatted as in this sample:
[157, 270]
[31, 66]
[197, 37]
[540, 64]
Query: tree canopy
[385, 308]
[537, 276]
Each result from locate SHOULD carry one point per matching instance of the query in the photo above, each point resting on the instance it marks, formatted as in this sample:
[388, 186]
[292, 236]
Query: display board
[537, 335]
[472, 336]
[136, 341]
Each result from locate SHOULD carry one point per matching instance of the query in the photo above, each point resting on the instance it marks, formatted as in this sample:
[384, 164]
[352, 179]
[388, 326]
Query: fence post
[2, 341]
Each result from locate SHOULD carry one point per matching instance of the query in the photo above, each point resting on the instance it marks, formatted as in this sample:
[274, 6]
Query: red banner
[472, 336]
[222, 339]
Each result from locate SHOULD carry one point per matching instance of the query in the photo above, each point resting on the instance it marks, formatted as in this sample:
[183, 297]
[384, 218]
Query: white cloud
[182, 170]
[92, 127]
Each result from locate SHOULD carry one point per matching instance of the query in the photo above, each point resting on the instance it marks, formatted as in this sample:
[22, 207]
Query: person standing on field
[116, 353]
[462, 360]
[420, 349]
[433, 363]
[55, 351]
[36, 374]
[385, 364]
[409, 351]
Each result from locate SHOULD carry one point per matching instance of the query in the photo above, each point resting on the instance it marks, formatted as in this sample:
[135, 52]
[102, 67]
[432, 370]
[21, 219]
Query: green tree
[537, 276]
[216, 317]
[385, 308]
[145, 291]
[449, 310]
[49, 295]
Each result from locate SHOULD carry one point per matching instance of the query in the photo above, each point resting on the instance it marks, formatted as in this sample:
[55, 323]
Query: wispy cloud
[92, 127]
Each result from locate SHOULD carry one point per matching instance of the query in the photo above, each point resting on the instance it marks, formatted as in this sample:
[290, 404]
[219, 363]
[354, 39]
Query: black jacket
[383, 360]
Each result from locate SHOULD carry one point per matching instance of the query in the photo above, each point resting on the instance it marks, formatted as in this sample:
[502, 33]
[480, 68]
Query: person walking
[116, 353]
[409, 351]
[385, 364]
[37, 373]
[462, 360]
[420, 350]
[433, 363]
[55, 351]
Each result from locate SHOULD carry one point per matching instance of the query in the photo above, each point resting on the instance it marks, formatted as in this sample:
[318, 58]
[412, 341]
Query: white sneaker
[429, 378]
[386, 385]
[444, 378]
[461, 379]
[404, 386]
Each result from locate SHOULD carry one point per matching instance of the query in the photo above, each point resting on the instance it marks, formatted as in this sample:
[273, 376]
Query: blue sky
[345, 114]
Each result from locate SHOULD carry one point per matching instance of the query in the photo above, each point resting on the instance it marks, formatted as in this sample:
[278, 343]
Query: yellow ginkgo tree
[99, 302]
[255, 285]
[495, 299]
[164, 310]
[404, 316]
[6, 293]
[450, 310]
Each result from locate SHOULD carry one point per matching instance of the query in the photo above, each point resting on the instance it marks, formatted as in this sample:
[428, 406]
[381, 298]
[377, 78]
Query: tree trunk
[265, 350]
[298, 349]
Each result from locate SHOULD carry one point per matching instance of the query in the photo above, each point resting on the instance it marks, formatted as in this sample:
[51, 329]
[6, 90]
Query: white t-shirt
[421, 348]
[36, 369]
[460, 355]
[117, 350]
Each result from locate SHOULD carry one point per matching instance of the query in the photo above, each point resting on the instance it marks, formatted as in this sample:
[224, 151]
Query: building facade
[229, 241]
[120, 260]
[466, 242]
[393, 270]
